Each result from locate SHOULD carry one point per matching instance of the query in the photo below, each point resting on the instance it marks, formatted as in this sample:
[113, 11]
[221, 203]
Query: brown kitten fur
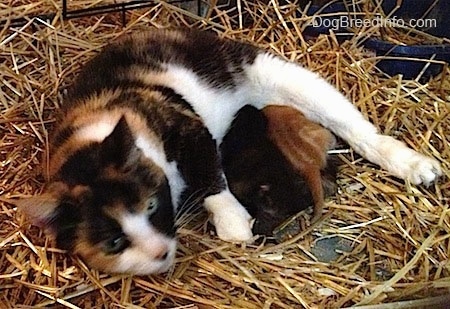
[304, 144]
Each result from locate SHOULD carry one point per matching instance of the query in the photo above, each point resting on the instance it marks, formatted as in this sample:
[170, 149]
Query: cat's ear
[119, 147]
[41, 210]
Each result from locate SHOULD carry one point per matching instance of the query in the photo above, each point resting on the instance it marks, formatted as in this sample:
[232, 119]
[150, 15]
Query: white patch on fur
[231, 220]
[96, 131]
[156, 153]
[147, 246]
[217, 107]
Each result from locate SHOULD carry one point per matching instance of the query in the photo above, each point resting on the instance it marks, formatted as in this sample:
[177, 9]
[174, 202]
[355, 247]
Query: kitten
[140, 132]
[274, 183]
[305, 145]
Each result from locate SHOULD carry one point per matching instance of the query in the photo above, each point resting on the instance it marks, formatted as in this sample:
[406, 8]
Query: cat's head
[110, 205]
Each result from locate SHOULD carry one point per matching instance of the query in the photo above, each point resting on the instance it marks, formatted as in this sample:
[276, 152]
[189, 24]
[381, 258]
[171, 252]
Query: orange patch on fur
[92, 111]
[94, 256]
[304, 144]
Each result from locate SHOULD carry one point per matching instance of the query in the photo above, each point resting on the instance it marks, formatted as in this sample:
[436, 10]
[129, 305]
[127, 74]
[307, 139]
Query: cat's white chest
[216, 106]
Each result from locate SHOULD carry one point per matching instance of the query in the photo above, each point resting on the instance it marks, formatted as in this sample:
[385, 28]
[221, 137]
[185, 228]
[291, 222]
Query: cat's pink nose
[162, 254]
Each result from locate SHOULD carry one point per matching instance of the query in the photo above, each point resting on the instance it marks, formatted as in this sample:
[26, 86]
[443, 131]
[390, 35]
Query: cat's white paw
[424, 170]
[406, 163]
[230, 218]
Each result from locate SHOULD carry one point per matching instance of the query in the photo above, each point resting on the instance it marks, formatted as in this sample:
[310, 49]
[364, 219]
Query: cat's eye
[116, 244]
[152, 205]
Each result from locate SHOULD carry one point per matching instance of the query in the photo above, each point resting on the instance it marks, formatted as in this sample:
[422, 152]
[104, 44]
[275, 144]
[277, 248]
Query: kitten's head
[110, 205]
[272, 198]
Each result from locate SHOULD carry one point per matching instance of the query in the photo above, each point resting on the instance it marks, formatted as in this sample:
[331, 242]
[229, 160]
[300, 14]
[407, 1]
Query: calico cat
[276, 164]
[140, 130]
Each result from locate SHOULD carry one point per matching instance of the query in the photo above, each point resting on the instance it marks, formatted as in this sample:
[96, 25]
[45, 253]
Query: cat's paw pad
[231, 220]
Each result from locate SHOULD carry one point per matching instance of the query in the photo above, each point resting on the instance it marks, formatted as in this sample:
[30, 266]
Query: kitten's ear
[119, 146]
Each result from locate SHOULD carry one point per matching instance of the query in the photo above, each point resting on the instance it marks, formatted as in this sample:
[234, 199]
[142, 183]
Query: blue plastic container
[436, 10]
[410, 9]
[410, 69]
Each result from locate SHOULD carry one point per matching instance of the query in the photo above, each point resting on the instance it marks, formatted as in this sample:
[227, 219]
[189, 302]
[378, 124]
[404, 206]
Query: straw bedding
[397, 235]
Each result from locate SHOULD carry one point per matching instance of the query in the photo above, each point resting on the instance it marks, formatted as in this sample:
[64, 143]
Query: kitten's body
[276, 164]
[141, 127]
[305, 145]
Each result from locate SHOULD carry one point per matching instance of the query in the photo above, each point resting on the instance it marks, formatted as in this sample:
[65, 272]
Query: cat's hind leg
[276, 80]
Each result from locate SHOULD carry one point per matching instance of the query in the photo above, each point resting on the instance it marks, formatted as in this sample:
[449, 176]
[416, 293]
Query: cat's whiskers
[187, 210]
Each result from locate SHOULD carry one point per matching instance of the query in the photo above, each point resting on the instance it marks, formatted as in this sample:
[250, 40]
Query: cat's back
[145, 58]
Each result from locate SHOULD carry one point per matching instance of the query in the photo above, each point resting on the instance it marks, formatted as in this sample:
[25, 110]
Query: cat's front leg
[199, 164]
[230, 218]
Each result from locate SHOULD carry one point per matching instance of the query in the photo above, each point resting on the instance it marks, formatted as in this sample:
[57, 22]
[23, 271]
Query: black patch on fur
[82, 167]
[163, 218]
[218, 62]
[198, 161]
[116, 148]
[62, 136]
[65, 224]
[173, 97]
[101, 227]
